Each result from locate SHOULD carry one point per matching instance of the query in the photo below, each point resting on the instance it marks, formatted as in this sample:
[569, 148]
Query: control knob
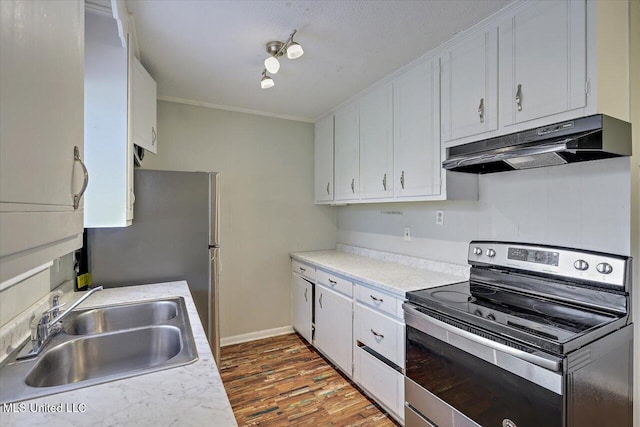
[477, 251]
[604, 268]
[581, 265]
[491, 317]
[491, 253]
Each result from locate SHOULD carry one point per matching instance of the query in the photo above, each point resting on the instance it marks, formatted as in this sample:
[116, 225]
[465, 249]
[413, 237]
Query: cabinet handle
[305, 294]
[376, 299]
[377, 335]
[303, 269]
[384, 182]
[329, 182]
[519, 98]
[153, 135]
[353, 181]
[320, 300]
[481, 110]
[402, 179]
[333, 282]
[77, 197]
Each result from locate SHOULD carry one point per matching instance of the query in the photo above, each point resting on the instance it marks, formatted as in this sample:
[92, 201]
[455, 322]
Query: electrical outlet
[439, 217]
[407, 234]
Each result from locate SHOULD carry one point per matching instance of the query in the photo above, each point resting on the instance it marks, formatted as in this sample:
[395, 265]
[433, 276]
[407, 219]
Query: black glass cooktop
[539, 321]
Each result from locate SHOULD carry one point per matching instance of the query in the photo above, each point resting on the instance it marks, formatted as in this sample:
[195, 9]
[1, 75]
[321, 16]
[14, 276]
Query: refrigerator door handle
[214, 209]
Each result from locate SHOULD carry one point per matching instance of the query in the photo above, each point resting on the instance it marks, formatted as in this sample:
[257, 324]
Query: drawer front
[380, 300]
[304, 270]
[412, 419]
[380, 333]
[335, 283]
[384, 384]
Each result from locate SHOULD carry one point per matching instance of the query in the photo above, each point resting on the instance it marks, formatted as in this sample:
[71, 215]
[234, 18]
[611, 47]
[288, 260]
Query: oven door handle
[553, 365]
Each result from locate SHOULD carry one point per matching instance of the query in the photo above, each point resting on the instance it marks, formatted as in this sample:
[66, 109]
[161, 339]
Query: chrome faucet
[48, 325]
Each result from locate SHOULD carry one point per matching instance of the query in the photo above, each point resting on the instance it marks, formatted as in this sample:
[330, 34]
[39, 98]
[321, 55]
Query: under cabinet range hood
[578, 140]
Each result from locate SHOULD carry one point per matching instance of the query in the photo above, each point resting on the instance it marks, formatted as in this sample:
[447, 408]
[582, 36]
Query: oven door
[457, 377]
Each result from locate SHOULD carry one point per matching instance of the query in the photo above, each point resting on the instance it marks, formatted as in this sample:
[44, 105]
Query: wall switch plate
[407, 234]
[439, 217]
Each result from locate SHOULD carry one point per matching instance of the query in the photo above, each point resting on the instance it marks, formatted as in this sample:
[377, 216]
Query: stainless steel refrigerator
[174, 236]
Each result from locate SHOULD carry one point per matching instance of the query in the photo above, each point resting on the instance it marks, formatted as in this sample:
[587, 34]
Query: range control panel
[569, 263]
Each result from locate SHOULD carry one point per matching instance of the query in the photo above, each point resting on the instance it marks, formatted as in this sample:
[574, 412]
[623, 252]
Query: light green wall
[267, 208]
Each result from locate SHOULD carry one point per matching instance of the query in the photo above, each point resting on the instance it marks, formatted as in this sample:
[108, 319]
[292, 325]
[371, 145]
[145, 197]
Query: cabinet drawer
[384, 384]
[304, 270]
[380, 333]
[336, 283]
[380, 300]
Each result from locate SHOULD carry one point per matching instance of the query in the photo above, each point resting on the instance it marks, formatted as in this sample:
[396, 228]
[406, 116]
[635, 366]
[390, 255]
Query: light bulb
[266, 82]
[294, 51]
[272, 64]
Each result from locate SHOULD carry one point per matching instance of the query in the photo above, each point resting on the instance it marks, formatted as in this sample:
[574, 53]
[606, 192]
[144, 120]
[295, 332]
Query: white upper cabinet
[416, 141]
[41, 111]
[347, 154]
[323, 159]
[543, 60]
[109, 154]
[144, 104]
[469, 72]
[376, 144]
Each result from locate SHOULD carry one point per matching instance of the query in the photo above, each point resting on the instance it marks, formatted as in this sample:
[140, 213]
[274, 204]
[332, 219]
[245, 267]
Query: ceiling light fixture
[276, 49]
[266, 82]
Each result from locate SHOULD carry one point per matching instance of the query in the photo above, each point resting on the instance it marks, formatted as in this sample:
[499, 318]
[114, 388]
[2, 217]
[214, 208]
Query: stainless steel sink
[115, 318]
[117, 342]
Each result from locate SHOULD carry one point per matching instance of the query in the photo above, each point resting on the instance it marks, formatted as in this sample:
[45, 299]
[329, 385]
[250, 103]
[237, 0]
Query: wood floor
[283, 381]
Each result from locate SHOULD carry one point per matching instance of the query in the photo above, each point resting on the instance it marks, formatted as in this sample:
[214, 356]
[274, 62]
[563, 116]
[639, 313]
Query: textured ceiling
[212, 51]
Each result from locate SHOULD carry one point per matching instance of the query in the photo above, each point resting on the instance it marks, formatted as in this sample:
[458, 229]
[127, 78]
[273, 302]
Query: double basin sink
[103, 344]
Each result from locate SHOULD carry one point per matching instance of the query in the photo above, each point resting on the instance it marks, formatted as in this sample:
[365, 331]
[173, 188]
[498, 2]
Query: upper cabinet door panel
[323, 156]
[144, 102]
[543, 60]
[470, 86]
[41, 87]
[347, 155]
[416, 147]
[376, 143]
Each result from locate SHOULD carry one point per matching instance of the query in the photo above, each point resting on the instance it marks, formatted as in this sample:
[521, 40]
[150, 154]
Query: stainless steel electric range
[539, 336]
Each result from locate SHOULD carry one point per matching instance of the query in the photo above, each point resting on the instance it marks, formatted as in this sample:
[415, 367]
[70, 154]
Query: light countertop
[379, 269]
[190, 395]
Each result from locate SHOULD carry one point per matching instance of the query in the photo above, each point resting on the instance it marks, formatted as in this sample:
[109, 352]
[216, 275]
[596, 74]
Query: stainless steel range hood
[579, 140]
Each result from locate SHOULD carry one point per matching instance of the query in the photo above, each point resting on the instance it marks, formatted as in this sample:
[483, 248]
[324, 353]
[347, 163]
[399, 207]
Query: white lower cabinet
[380, 333]
[380, 381]
[359, 328]
[379, 347]
[302, 306]
[333, 331]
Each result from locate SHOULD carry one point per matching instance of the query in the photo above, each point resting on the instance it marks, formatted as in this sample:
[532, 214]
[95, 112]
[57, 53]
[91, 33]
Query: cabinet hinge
[587, 87]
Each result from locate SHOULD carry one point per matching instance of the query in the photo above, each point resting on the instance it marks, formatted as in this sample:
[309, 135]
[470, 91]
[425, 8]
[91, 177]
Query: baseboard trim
[252, 336]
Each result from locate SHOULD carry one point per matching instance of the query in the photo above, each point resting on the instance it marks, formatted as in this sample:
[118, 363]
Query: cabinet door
[42, 100]
[543, 60]
[301, 300]
[323, 159]
[41, 116]
[376, 144]
[347, 155]
[334, 329]
[144, 108]
[470, 86]
[107, 147]
[416, 139]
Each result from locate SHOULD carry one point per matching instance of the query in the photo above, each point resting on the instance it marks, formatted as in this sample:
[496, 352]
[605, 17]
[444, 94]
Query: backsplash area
[583, 205]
